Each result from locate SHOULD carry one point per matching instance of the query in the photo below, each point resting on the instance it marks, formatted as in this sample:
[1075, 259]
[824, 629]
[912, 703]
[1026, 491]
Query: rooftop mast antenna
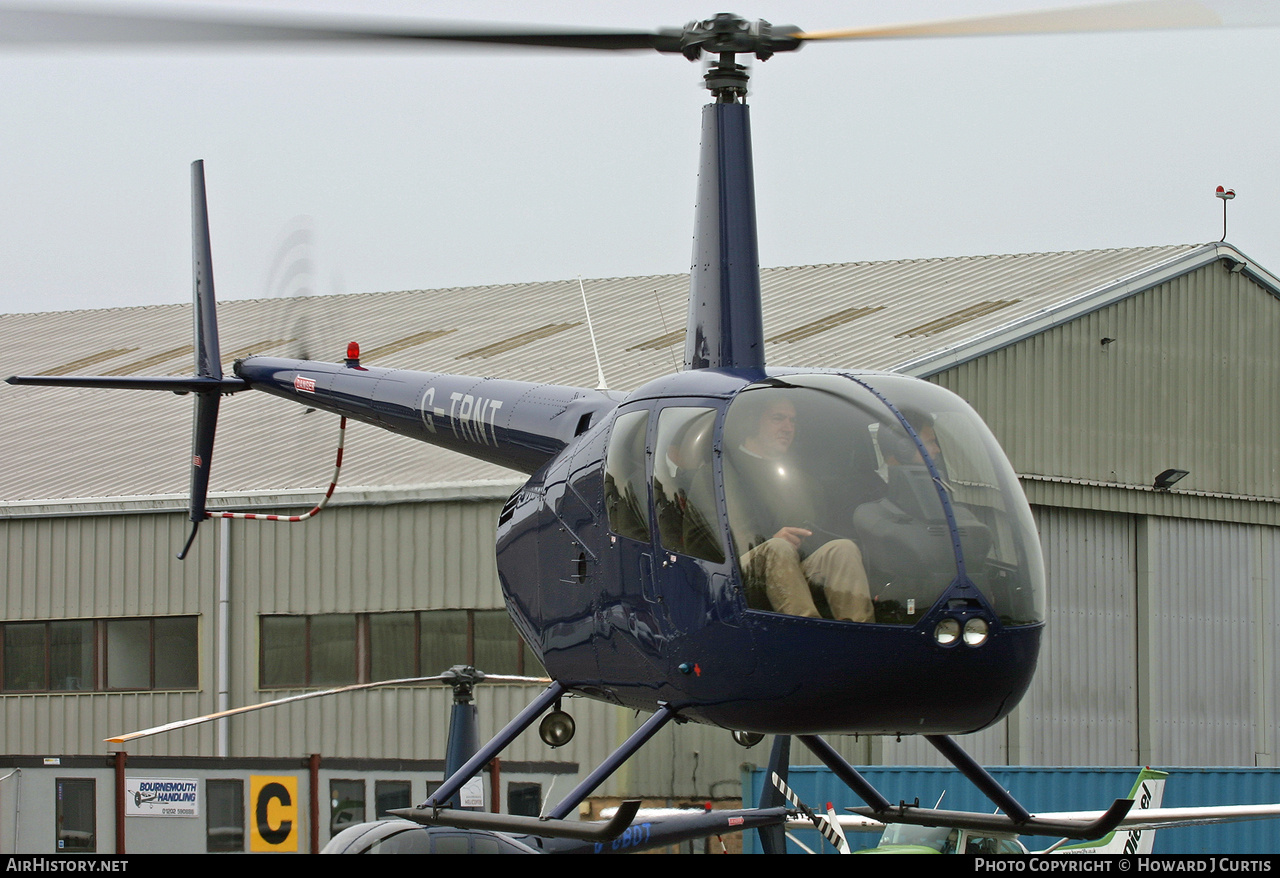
[1226, 195]
[600, 382]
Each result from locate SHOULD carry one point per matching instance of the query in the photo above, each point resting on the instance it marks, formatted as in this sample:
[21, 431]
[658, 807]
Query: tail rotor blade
[828, 828]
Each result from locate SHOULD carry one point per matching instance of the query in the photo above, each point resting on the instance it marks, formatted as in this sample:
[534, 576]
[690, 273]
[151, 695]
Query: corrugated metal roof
[65, 443]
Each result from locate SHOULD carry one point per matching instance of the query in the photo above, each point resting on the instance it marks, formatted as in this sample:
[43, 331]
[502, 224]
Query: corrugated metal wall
[1211, 629]
[1169, 377]
[1162, 624]
[96, 567]
[1082, 708]
[86, 566]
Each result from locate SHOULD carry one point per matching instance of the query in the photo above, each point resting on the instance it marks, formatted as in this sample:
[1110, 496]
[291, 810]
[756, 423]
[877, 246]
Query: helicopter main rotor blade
[94, 26]
[87, 27]
[1108, 17]
[322, 693]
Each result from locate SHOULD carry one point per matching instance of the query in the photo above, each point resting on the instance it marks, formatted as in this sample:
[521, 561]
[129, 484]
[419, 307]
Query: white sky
[426, 168]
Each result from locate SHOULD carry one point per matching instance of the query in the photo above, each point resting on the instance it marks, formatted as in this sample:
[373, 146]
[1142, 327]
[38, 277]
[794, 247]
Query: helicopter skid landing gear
[496, 745]
[1015, 818]
[434, 810]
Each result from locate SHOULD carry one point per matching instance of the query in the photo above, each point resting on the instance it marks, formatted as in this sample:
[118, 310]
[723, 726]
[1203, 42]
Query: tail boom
[516, 424]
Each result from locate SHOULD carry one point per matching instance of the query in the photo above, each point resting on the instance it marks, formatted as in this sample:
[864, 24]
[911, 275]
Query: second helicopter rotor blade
[1103, 18]
[86, 26]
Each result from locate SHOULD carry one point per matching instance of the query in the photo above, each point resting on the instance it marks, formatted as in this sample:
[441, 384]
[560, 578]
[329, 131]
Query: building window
[340, 649]
[331, 647]
[224, 827]
[393, 642]
[76, 815]
[71, 665]
[524, 799]
[446, 641]
[390, 794]
[299, 651]
[346, 804]
[129, 654]
[282, 651]
[86, 655]
[177, 643]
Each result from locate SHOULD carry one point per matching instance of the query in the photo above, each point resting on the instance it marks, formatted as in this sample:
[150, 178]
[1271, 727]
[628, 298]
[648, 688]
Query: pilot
[899, 450]
[771, 512]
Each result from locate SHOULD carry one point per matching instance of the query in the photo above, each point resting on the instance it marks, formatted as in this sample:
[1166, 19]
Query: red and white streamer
[315, 510]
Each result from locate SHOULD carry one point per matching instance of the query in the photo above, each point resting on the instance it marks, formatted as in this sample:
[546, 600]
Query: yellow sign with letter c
[273, 823]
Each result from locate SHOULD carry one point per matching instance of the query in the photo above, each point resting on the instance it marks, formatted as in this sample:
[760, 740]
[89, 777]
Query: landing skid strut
[1015, 818]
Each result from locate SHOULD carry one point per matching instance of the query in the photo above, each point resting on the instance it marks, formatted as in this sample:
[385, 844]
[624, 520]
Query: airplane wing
[848, 822]
[1167, 818]
[1138, 818]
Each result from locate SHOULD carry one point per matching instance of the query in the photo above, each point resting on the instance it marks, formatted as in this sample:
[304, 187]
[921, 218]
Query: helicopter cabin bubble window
[626, 493]
[838, 511]
[684, 483]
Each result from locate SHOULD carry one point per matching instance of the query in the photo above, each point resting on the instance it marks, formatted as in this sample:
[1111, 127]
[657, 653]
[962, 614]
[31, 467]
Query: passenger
[771, 513]
[899, 450]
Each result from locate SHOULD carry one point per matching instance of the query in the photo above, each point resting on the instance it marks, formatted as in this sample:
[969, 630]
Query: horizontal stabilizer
[108, 382]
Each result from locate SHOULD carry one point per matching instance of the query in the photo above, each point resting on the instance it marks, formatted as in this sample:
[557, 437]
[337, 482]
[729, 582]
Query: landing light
[556, 729]
[947, 632]
[975, 632]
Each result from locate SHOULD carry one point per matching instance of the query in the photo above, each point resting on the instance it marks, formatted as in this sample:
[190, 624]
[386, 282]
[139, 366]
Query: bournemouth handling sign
[161, 797]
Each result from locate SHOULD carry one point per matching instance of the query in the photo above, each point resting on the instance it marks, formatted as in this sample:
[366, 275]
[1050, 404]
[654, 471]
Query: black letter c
[269, 835]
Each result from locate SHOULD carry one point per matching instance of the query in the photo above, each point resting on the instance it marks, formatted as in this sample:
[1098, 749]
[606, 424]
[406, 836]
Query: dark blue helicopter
[786, 551]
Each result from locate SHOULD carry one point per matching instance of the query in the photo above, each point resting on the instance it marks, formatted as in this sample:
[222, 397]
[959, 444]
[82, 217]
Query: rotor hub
[735, 35]
[463, 679]
[728, 36]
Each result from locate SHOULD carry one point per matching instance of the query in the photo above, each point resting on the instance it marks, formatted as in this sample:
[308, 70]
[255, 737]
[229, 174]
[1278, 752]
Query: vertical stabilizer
[208, 384]
[773, 839]
[1148, 792]
[208, 358]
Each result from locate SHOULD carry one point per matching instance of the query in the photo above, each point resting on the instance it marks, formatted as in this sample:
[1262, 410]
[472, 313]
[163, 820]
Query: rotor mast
[725, 326]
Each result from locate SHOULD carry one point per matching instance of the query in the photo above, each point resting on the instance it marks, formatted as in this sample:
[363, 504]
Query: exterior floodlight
[975, 632]
[947, 632]
[1169, 478]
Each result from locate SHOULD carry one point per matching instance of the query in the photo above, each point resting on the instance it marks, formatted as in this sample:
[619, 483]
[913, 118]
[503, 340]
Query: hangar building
[1097, 371]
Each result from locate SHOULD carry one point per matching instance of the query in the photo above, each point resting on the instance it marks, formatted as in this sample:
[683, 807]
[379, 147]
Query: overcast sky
[427, 168]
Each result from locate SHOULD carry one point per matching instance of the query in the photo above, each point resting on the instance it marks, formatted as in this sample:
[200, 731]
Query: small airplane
[1147, 793]
[1134, 834]
[785, 551]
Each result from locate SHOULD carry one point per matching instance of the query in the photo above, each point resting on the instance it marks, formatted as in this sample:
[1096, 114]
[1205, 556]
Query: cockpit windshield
[863, 499]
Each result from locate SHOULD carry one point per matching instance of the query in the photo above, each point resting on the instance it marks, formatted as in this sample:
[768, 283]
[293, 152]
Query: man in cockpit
[787, 567]
[899, 450]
